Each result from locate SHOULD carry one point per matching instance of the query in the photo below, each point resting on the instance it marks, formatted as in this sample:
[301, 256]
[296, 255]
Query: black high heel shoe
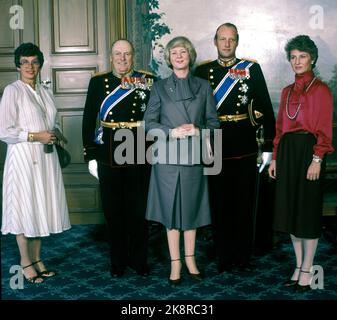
[174, 282]
[291, 283]
[196, 276]
[299, 288]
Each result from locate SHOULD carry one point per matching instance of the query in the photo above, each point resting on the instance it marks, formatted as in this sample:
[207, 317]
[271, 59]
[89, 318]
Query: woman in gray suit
[179, 108]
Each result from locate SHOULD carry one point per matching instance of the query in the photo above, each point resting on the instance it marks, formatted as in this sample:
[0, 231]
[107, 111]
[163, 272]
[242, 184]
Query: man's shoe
[244, 267]
[142, 271]
[224, 268]
[116, 272]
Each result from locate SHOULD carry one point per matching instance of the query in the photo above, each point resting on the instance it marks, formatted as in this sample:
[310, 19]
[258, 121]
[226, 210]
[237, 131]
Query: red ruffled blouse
[314, 115]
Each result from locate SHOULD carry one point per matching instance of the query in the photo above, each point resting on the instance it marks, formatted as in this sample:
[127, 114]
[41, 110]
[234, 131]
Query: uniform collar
[228, 63]
[129, 74]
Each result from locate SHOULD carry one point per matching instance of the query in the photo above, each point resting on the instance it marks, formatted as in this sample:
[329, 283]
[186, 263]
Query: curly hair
[302, 43]
[27, 50]
[180, 42]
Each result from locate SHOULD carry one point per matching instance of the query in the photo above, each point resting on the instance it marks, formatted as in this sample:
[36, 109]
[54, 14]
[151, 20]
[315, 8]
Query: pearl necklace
[299, 105]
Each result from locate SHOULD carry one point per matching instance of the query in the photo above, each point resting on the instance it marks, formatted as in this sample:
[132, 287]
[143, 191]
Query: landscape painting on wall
[264, 27]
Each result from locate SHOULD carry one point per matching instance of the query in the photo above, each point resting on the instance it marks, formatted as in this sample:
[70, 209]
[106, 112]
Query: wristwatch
[316, 159]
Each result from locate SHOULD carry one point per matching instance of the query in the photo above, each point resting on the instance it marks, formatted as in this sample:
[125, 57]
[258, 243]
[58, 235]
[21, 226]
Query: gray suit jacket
[163, 114]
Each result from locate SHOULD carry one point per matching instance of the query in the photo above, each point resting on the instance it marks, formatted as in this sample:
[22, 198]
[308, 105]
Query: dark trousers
[124, 196]
[232, 195]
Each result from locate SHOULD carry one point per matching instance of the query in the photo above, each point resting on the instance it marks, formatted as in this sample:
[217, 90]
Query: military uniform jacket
[239, 137]
[129, 109]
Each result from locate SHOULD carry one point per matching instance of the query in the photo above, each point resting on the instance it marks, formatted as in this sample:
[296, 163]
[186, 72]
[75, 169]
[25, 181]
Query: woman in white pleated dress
[34, 202]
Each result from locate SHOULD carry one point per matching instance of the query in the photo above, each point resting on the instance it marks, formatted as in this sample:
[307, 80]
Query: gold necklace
[299, 105]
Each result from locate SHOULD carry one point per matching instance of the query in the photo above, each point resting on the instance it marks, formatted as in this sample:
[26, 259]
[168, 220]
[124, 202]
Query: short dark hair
[302, 43]
[27, 50]
[228, 25]
[177, 42]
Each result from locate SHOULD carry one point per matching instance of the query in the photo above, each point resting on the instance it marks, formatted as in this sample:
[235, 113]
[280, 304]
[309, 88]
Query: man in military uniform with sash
[117, 101]
[243, 105]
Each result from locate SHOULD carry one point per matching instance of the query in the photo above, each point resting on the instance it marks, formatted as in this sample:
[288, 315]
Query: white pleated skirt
[34, 201]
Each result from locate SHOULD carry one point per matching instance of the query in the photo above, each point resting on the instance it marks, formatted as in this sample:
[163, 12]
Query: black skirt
[298, 201]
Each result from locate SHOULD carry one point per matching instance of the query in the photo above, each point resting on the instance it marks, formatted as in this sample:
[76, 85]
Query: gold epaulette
[146, 72]
[100, 73]
[249, 59]
[204, 62]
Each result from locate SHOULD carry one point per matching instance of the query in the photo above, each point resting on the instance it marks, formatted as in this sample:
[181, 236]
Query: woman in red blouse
[303, 138]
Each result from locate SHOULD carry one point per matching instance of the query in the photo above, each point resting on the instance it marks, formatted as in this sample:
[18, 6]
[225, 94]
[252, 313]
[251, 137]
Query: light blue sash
[227, 83]
[111, 101]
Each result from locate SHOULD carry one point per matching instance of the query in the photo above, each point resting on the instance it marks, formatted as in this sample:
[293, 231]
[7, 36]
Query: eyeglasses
[26, 63]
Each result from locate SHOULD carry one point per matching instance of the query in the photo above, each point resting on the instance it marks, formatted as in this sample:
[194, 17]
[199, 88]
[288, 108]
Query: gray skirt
[178, 197]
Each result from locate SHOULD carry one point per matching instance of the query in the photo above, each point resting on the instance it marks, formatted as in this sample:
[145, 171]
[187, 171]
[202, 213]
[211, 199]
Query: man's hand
[266, 160]
[92, 166]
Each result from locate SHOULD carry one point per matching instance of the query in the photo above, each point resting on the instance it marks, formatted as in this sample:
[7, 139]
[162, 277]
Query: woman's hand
[314, 171]
[184, 130]
[191, 129]
[272, 169]
[45, 137]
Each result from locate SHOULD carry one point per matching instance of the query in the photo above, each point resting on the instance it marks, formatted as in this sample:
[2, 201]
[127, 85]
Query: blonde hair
[180, 42]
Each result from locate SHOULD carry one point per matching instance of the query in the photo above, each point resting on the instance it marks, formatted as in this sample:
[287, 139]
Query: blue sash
[111, 101]
[227, 83]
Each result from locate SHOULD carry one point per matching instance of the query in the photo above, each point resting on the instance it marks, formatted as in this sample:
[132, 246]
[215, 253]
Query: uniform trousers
[232, 196]
[124, 194]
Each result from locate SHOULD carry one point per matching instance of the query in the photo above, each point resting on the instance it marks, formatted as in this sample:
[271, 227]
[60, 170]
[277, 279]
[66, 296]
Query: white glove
[92, 166]
[266, 160]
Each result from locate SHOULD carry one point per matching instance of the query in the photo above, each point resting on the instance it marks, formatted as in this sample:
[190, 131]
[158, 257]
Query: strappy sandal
[35, 279]
[45, 273]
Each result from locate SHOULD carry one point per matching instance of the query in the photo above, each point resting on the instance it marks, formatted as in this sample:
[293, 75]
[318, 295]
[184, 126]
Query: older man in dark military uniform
[118, 100]
[243, 104]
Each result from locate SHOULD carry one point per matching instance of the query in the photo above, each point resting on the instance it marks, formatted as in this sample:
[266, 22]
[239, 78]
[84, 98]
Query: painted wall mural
[264, 27]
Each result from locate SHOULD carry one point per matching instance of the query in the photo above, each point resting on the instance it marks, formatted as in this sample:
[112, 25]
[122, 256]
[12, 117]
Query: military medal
[240, 74]
[136, 83]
